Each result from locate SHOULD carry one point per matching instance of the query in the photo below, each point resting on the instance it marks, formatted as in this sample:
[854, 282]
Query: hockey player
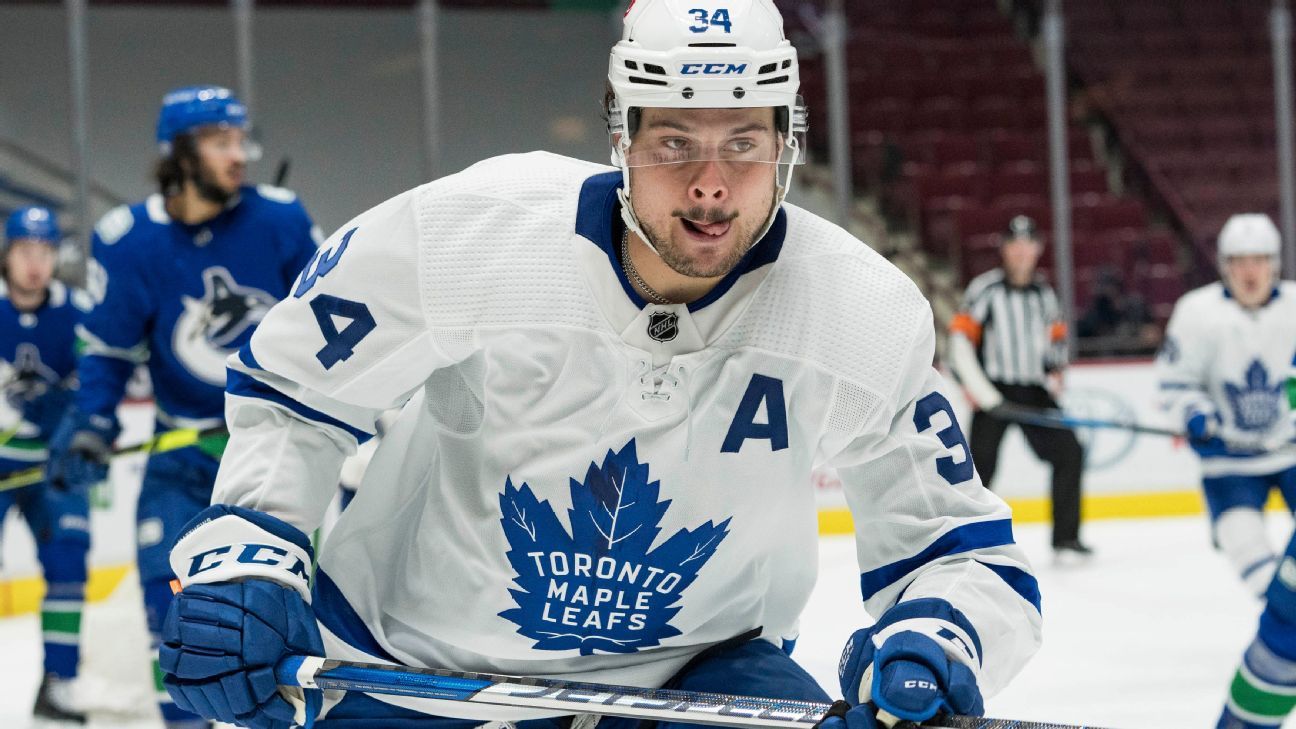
[1227, 348]
[38, 373]
[181, 280]
[618, 383]
[1263, 691]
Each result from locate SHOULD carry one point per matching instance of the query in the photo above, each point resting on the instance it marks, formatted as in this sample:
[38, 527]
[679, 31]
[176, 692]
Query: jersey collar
[1272, 295]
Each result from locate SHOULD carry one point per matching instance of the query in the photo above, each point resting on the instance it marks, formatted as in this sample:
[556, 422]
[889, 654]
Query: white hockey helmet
[703, 54]
[1248, 234]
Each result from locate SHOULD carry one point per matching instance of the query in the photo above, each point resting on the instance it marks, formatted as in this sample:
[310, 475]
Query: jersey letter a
[761, 390]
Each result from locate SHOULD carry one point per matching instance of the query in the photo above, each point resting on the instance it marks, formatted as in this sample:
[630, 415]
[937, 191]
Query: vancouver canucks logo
[27, 378]
[27, 371]
[1256, 403]
[212, 327]
[602, 586]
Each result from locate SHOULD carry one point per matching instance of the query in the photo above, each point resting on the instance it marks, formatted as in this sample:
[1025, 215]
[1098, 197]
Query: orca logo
[212, 327]
[22, 381]
[663, 326]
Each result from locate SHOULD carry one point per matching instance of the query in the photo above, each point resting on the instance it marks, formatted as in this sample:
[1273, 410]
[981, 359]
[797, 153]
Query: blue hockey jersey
[183, 297]
[37, 366]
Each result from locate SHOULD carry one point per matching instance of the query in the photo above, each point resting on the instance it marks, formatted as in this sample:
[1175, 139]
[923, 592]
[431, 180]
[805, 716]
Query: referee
[1006, 342]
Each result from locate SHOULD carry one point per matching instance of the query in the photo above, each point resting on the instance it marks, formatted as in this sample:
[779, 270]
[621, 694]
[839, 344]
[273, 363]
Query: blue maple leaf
[1257, 404]
[601, 587]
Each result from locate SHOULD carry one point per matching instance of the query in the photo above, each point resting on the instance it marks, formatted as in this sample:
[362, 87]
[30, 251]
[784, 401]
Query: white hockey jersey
[1221, 358]
[586, 486]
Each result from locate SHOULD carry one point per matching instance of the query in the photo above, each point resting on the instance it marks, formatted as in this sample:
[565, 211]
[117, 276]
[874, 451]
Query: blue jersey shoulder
[187, 295]
[43, 340]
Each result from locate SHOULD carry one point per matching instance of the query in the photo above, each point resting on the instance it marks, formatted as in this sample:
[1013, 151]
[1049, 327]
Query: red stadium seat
[1088, 179]
[1010, 146]
[946, 113]
[1020, 180]
[955, 149]
[1120, 213]
[980, 221]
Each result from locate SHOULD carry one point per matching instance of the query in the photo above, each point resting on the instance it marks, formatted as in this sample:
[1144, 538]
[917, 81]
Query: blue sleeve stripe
[930, 607]
[245, 356]
[336, 614]
[243, 385]
[1022, 582]
[966, 538]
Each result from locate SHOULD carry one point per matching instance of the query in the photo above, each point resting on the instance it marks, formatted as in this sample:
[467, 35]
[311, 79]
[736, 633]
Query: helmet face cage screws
[704, 54]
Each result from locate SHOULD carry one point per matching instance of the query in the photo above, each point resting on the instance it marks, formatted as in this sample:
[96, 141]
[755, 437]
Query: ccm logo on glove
[248, 554]
[225, 543]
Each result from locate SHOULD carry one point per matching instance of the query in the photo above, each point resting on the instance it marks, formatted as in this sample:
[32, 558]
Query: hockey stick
[584, 698]
[169, 440]
[1058, 419]
[281, 174]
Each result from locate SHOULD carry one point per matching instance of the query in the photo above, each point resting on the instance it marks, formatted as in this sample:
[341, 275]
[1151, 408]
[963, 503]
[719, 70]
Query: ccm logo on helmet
[712, 69]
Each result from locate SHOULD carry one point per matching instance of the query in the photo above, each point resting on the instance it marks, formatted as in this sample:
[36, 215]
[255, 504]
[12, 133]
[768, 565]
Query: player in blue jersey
[180, 280]
[38, 316]
[1263, 691]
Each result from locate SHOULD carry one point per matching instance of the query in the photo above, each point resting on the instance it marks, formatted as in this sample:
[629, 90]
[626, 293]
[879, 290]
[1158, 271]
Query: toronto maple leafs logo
[211, 327]
[602, 586]
[1256, 404]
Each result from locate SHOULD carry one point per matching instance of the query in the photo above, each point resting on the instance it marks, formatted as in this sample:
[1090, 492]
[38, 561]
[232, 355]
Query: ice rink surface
[1144, 636]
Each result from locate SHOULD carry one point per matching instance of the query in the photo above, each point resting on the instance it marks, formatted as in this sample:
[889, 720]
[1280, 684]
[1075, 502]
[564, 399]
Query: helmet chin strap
[632, 221]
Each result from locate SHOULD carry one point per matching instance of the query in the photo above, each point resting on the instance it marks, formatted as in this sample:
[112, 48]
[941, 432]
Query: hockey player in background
[1007, 344]
[38, 316]
[1263, 691]
[180, 281]
[1227, 350]
[618, 383]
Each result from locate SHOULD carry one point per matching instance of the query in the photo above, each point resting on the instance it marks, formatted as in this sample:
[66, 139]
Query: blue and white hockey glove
[243, 607]
[918, 661]
[79, 451]
[1203, 431]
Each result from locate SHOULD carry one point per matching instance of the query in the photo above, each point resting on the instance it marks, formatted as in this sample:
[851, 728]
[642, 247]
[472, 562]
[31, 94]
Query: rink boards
[1126, 475]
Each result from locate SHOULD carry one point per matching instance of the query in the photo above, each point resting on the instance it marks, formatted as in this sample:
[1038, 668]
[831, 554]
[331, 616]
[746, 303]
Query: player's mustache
[706, 217]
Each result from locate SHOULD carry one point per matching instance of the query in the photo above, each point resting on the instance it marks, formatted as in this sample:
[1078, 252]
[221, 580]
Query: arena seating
[1189, 94]
[949, 132]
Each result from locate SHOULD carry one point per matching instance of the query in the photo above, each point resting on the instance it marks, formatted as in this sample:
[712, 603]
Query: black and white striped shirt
[1018, 331]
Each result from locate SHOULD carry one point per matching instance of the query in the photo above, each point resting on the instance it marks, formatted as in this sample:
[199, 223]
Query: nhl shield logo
[663, 326]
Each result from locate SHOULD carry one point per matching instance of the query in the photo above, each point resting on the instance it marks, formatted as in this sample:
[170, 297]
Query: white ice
[1145, 636]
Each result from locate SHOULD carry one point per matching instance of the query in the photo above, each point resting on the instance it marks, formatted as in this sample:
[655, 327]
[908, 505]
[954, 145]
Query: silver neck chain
[628, 266]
